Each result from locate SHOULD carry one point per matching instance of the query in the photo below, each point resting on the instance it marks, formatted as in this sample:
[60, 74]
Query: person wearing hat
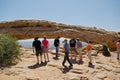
[66, 56]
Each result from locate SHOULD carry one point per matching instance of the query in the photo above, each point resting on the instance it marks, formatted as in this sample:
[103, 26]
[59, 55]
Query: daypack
[56, 42]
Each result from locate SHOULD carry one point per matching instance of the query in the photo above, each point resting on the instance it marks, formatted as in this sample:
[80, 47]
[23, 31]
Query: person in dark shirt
[72, 43]
[37, 47]
[57, 44]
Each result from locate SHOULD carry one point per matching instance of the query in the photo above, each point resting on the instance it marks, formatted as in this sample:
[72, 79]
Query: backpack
[56, 43]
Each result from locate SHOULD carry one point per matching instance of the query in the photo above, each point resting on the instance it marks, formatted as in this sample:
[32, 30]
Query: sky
[103, 14]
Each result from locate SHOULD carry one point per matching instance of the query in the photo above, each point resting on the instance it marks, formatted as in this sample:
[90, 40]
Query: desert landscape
[91, 28]
[105, 68]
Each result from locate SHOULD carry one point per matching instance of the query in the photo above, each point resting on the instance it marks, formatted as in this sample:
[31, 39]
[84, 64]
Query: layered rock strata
[23, 29]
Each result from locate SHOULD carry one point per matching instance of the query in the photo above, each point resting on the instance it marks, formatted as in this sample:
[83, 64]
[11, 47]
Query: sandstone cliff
[23, 29]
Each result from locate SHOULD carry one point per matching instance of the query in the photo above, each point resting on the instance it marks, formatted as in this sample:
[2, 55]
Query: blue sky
[94, 13]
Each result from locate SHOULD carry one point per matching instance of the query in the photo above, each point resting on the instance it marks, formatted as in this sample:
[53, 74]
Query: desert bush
[106, 51]
[9, 50]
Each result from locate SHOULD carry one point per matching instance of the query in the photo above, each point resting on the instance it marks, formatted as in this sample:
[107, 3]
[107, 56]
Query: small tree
[9, 50]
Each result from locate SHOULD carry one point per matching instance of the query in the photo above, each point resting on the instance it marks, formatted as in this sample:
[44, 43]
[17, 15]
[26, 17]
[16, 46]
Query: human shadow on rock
[37, 65]
[77, 62]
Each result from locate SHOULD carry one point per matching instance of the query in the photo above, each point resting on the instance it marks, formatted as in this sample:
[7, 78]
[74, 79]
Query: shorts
[39, 52]
[89, 55]
[78, 50]
[72, 49]
[45, 50]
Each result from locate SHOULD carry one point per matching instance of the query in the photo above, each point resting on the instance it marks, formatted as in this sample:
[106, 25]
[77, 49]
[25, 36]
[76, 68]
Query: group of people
[73, 48]
[41, 48]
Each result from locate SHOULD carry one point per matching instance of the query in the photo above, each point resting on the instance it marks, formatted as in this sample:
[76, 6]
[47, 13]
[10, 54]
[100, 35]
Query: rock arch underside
[24, 29]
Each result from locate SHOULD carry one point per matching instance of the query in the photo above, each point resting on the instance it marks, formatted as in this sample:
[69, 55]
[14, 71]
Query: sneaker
[37, 63]
[41, 62]
[80, 61]
[45, 61]
[56, 58]
[71, 66]
[90, 63]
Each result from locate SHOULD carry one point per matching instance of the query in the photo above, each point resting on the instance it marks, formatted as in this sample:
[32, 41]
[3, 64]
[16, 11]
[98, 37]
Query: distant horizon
[59, 22]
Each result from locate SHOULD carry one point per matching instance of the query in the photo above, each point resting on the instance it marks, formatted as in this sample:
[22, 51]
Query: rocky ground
[105, 68]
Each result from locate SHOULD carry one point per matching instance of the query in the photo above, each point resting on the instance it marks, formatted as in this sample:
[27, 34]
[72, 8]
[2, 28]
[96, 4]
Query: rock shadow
[77, 62]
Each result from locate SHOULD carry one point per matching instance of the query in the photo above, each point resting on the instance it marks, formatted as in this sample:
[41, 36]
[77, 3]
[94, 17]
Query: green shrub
[9, 50]
[105, 50]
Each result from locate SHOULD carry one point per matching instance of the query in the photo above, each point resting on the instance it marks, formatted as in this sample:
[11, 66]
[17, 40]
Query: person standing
[45, 45]
[36, 45]
[89, 50]
[57, 44]
[72, 43]
[79, 48]
[118, 49]
[66, 56]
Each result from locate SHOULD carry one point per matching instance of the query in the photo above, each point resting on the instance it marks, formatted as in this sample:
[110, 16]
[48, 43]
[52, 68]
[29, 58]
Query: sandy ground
[104, 68]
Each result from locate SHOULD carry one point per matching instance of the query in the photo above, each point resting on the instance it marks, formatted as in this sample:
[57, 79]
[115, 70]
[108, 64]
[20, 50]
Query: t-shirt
[56, 42]
[118, 45]
[89, 47]
[37, 45]
[79, 44]
[72, 43]
[45, 43]
[66, 47]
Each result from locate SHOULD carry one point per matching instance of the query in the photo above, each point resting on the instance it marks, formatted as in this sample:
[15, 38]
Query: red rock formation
[23, 29]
